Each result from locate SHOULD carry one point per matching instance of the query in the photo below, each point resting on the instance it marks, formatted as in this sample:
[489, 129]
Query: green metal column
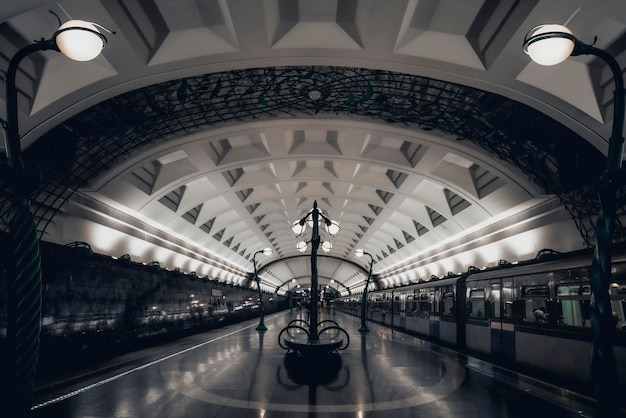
[603, 364]
[24, 267]
[315, 243]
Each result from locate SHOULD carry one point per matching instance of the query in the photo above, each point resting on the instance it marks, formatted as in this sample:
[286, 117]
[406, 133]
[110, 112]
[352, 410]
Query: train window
[448, 303]
[433, 297]
[536, 291]
[402, 302]
[507, 298]
[494, 298]
[618, 271]
[377, 303]
[574, 301]
[535, 298]
[424, 305]
[501, 299]
[411, 303]
[477, 303]
[571, 274]
[617, 294]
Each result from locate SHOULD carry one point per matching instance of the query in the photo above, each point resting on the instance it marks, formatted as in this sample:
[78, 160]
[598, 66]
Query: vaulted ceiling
[206, 128]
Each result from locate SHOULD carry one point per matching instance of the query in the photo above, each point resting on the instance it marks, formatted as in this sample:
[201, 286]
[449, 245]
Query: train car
[538, 314]
[426, 308]
[535, 313]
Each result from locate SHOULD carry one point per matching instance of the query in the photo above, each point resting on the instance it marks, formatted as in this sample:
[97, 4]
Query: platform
[236, 371]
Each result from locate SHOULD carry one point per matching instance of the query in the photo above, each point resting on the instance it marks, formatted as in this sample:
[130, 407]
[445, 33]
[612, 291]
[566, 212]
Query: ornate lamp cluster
[315, 359]
[298, 228]
[314, 218]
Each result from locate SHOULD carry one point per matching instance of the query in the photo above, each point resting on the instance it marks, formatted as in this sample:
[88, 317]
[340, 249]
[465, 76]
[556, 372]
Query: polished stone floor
[237, 371]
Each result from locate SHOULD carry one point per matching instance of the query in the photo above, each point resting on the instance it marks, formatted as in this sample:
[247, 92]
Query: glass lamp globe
[298, 228]
[327, 246]
[79, 40]
[547, 49]
[267, 251]
[359, 252]
[301, 246]
[332, 228]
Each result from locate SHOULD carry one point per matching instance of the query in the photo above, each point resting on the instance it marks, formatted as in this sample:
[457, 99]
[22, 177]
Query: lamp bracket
[95, 32]
[57, 16]
[581, 48]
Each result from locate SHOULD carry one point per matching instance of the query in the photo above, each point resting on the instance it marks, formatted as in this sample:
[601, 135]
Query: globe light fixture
[298, 227]
[332, 227]
[327, 246]
[301, 246]
[549, 44]
[80, 40]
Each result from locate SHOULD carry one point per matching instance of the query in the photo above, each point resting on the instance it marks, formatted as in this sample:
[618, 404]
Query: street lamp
[360, 253]
[314, 218]
[81, 41]
[265, 251]
[550, 45]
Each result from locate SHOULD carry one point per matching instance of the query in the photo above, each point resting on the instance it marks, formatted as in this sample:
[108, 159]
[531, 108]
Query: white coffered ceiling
[229, 118]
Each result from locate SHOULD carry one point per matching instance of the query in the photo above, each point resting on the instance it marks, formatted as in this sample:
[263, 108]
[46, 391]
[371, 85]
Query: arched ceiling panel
[416, 125]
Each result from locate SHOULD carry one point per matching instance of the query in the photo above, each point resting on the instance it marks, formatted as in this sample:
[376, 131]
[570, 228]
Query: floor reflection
[241, 372]
[327, 372]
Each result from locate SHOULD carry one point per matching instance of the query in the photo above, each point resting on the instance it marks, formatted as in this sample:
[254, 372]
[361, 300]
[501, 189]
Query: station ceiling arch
[205, 129]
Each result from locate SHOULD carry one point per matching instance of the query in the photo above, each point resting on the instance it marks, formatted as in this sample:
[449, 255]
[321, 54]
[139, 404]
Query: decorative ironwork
[554, 157]
[327, 328]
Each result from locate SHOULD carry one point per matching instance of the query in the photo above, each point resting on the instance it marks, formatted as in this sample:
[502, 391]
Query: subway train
[94, 306]
[534, 314]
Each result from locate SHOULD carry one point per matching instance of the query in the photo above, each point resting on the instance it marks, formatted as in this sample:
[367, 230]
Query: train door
[403, 310]
[501, 321]
[434, 315]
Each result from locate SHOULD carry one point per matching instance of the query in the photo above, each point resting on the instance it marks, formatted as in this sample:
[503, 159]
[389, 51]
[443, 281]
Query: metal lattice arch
[419, 126]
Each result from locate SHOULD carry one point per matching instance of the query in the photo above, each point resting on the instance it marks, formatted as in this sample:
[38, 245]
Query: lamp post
[334, 296]
[361, 253]
[550, 45]
[80, 41]
[298, 227]
[265, 251]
